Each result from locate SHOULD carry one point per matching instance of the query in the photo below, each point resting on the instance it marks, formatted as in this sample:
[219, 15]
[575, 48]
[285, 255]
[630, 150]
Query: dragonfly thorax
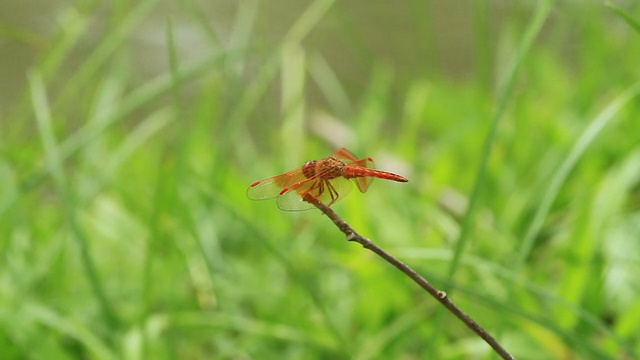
[328, 168]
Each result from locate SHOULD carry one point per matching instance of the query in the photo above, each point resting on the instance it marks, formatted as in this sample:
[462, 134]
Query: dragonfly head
[309, 168]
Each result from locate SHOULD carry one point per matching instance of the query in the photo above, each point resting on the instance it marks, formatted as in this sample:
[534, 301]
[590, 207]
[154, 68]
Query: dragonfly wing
[290, 199]
[270, 188]
[363, 183]
[326, 191]
[347, 156]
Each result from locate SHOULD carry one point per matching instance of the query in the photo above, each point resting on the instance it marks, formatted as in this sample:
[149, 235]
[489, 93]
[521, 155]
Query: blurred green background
[129, 133]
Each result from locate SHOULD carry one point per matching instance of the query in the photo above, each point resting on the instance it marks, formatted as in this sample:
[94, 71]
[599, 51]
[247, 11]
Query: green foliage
[128, 145]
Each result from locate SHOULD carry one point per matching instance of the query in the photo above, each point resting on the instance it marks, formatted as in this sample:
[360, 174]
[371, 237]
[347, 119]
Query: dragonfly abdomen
[350, 172]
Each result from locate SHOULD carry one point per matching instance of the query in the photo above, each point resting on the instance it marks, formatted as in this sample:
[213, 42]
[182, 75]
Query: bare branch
[439, 295]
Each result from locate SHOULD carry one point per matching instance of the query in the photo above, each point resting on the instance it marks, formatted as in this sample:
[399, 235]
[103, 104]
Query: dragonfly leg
[316, 189]
[332, 193]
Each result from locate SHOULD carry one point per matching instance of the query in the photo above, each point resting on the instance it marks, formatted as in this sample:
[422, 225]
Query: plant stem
[439, 295]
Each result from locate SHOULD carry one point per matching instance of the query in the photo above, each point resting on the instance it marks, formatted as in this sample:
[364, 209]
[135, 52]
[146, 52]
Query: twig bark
[439, 295]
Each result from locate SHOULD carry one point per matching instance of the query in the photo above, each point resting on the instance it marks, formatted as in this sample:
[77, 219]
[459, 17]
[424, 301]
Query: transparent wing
[271, 187]
[326, 191]
[345, 155]
[362, 182]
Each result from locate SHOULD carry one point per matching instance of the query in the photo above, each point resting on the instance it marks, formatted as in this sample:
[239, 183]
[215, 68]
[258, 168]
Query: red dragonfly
[327, 180]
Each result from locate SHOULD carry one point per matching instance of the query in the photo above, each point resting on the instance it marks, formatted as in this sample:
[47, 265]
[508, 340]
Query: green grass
[125, 231]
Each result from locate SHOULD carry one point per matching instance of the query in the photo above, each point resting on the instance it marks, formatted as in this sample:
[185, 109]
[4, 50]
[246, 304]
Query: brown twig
[439, 295]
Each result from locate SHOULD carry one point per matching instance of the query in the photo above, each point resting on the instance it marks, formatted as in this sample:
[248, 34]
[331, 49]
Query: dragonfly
[327, 180]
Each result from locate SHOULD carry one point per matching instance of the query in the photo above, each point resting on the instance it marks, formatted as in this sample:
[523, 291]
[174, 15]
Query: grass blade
[54, 161]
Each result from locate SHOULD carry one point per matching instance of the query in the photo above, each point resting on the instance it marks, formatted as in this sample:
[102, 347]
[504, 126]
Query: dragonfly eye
[309, 168]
